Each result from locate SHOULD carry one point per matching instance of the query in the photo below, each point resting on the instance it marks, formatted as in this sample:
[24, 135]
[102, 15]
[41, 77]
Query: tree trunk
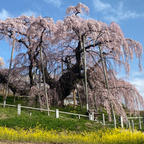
[45, 89]
[40, 102]
[85, 72]
[31, 72]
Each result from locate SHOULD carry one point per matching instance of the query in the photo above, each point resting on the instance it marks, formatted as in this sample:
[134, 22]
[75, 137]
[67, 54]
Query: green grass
[66, 125]
[9, 118]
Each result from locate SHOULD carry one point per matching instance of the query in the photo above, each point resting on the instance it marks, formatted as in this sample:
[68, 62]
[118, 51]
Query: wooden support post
[79, 117]
[4, 90]
[93, 116]
[79, 96]
[9, 70]
[114, 119]
[121, 120]
[43, 73]
[132, 125]
[129, 124]
[57, 113]
[74, 97]
[19, 109]
[140, 126]
[103, 117]
[126, 124]
[4, 103]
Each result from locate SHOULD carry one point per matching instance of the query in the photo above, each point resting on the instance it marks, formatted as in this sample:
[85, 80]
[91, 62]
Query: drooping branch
[61, 43]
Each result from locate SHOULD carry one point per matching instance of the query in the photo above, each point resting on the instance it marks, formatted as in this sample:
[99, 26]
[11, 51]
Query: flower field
[36, 135]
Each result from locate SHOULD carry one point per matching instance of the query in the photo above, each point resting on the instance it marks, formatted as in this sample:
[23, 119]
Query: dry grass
[3, 116]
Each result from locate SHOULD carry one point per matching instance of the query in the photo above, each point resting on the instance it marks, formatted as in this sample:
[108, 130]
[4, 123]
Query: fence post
[140, 126]
[132, 125]
[121, 120]
[78, 116]
[91, 117]
[30, 113]
[19, 109]
[4, 103]
[103, 117]
[57, 113]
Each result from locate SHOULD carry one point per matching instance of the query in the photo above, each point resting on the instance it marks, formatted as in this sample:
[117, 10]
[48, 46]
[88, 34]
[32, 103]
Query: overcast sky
[129, 14]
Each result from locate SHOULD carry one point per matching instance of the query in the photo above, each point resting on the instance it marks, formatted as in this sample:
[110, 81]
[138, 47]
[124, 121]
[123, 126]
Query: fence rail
[8, 105]
[130, 123]
[69, 113]
[39, 109]
[135, 117]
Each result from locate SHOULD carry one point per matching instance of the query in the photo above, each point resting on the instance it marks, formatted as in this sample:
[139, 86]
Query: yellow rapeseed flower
[108, 136]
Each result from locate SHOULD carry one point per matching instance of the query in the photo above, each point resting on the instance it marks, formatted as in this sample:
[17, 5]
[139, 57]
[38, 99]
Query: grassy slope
[9, 118]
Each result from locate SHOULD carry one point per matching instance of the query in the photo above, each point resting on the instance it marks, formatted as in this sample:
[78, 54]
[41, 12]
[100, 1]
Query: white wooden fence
[131, 124]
